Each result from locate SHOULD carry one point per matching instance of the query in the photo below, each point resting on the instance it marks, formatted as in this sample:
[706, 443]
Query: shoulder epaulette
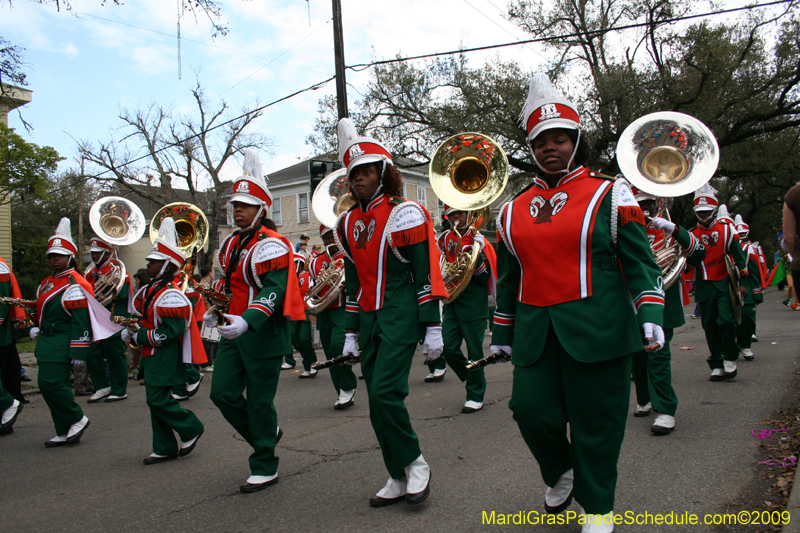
[396, 200]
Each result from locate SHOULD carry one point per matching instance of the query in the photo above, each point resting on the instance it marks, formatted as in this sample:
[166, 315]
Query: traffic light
[317, 171]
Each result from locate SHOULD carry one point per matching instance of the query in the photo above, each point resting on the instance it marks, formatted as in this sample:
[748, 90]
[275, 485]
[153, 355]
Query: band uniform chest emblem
[452, 249]
[710, 240]
[542, 210]
[362, 233]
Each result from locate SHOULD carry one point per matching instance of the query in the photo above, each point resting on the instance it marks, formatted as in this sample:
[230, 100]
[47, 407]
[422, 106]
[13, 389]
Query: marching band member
[11, 399]
[571, 325]
[301, 329]
[265, 295]
[167, 336]
[332, 325]
[112, 350]
[393, 284]
[652, 371]
[464, 319]
[65, 335]
[747, 329]
[711, 287]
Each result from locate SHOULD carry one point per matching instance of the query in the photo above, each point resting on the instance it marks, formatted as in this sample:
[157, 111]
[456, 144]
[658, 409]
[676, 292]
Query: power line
[362, 66]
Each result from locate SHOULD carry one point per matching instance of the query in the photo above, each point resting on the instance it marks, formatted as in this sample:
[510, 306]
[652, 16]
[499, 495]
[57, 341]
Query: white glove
[209, 319]
[663, 223]
[434, 344]
[350, 344]
[655, 335]
[235, 329]
[495, 348]
[34, 333]
[127, 335]
[78, 362]
[481, 239]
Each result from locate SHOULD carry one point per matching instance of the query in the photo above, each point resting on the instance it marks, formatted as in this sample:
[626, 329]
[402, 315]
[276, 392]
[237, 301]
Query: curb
[794, 509]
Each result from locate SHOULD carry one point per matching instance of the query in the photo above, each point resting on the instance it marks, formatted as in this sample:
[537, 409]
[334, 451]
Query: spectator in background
[302, 242]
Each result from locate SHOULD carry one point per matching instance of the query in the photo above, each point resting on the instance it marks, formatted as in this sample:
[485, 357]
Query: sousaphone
[119, 222]
[331, 198]
[668, 154]
[468, 172]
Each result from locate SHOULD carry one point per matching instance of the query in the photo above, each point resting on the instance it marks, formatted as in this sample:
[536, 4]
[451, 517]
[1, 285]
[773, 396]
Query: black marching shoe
[248, 487]
[155, 459]
[393, 486]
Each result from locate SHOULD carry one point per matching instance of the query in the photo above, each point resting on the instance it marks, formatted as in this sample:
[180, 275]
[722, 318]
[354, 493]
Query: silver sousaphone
[668, 154]
[119, 222]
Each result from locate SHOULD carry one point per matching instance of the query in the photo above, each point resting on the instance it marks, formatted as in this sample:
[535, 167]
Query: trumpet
[338, 360]
[29, 306]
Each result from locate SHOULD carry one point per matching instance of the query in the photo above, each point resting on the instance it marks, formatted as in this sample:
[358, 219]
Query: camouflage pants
[81, 380]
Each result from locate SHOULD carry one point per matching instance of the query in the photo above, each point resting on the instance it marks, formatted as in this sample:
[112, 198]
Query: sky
[85, 66]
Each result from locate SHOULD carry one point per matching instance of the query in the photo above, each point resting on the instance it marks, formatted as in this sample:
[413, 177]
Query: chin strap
[256, 219]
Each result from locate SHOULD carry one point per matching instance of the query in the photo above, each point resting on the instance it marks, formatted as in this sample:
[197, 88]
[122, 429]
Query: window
[276, 215]
[405, 191]
[440, 207]
[421, 196]
[302, 207]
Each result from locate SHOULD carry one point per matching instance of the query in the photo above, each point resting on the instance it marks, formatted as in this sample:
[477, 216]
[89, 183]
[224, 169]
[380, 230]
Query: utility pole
[338, 52]
[79, 259]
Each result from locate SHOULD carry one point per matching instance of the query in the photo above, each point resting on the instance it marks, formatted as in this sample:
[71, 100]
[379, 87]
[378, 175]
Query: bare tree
[160, 153]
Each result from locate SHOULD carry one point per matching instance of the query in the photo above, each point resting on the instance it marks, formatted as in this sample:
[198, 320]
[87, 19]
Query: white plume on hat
[723, 213]
[738, 220]
[61, 243]
[347, 136]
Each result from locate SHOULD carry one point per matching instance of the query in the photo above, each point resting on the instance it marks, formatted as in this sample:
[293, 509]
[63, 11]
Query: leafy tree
[24, 167]
[34, 220]
[160, 152]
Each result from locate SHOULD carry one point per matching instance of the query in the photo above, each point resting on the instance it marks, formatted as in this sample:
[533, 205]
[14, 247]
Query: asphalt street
[330, 463]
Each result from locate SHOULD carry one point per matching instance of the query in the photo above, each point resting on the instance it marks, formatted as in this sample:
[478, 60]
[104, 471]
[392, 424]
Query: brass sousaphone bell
[468, 172]
[668, 154]
[331, 198]
[119, 222]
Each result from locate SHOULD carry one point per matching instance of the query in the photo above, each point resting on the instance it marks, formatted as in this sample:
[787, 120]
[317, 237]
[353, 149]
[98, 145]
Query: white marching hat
[546, 108]
[723, 214]
[61, 243]
[705, 198]
[355, 150]
[96, 244]
[251, 187]
[165, 247]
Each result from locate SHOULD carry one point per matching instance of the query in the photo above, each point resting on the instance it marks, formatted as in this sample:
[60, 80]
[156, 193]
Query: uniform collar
[63, 273]
[542, 184]
[372, 204]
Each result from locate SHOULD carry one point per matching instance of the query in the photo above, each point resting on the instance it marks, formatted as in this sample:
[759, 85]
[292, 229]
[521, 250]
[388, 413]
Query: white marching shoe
[345, 399]
[558, 498]
[716, 375]
[393, 492]
[729, 369]
[642, 410]
[99, 395]
[76, 430]
[663, 425]
[598, 523]
[471, 407]
[436, 375]
[747, 353]
[286, 366]
[418, 474]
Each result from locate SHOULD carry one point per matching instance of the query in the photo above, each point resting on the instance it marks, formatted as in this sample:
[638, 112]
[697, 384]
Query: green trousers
[454, 332]
[167, 417]
[593, 399]
[386, 367]
[301, 340]
[332, 338]
[192, 376]
[746, 330]
[254, 417]
[54, 383]
[716, 314]
[112, 350]
[652, 375]
[6, 400]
